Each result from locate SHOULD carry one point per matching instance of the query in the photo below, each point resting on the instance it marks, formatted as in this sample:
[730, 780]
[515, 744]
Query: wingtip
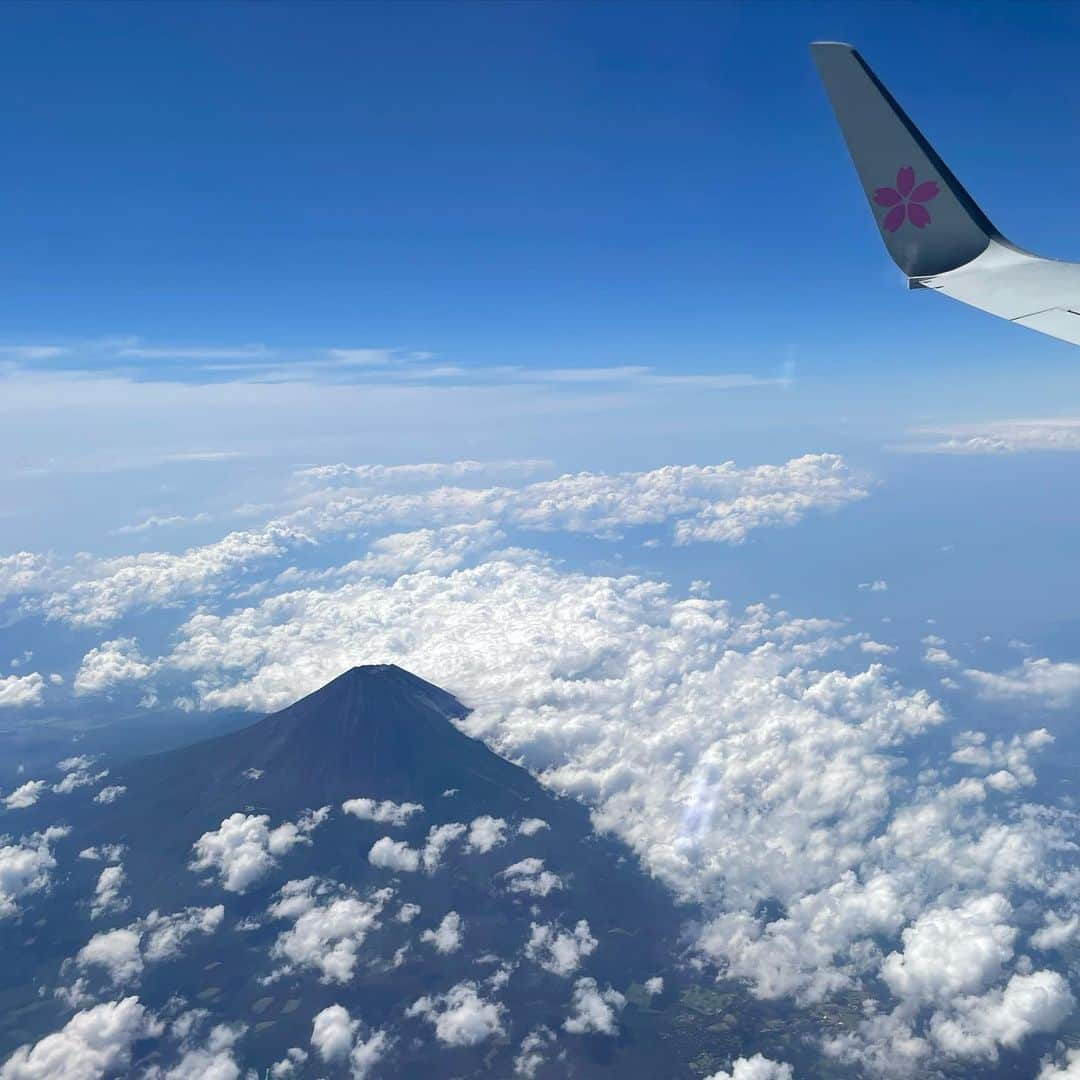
[832, 45]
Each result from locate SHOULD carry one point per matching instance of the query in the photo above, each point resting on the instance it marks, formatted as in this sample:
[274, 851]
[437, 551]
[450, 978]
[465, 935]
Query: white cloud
[25, 867]
[337, 1037]
[448, 936]
[245, 849]
[595, 1011]
[330, 923]
[874, 586]
[1011, 758]
[1068, 1069]
[485, 834]
[461, 1017]
[20, 691]
[394, 855]
[876, 648]
[407, 912]
[1056, 931]
[977, 1026]
[25, 795]
[288, 1068]
[531, 826]
[757, 1067]
[655, 985]
[386, 812]
[332, 1033]
[107, 896]
[111, 664]
[727, 747]
[91, 1045]
[533, 1051]
[124, 953]
[213, 1059]
[529, 876]
[110, 794]
[439, 838]
[940, 657]
[560, 951]
[999, 437]
[713, 503]
[100, 595]
[77, 774]
[952, 951]
[108, 852]
[1055, 685]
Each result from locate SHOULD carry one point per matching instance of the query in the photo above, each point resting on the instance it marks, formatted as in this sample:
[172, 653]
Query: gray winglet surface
[929, 223]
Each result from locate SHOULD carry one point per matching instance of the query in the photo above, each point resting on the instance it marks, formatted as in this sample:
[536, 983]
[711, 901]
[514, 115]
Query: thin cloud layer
[712, 503]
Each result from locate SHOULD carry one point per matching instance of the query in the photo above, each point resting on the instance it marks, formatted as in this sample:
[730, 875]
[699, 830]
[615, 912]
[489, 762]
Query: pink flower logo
[906, 200]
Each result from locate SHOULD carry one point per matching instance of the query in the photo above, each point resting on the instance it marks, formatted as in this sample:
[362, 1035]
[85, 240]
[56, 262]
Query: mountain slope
[357, 849]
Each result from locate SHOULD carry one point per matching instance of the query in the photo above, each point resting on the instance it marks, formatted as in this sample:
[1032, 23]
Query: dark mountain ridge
[378, 733]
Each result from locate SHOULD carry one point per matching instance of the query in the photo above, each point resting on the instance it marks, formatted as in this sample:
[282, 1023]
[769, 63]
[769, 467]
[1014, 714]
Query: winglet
[929, 223]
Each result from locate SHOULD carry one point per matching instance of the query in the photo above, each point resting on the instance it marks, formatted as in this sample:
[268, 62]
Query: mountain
[358, 850]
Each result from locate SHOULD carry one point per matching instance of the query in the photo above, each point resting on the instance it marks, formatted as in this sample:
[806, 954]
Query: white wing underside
[1042, 294]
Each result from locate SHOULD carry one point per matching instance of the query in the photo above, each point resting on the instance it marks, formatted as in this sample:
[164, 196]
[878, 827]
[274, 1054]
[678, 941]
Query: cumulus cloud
[124, 953]
[448, 936]
[595, 1011]
[1041, 681]
[93, 1044]
[711, 503]
[439, 838]
[1066, 1069]
[977, 1026]
[20, 691]
[107, 892]
[952, 951]
[245, 849]
[533, 1051]
[110, 794]
[730, 748]
[26, 867]
[407, 912]
[329, 924]
[25, 795]
[78, 773]
[385, 812]
[111, 664]
[560, 951]
[112, 587]
[485, 833]
[288, 1068]
[1006, 762]
[107, 852]
[398, 856]
[394, 855]
[1001, 437]
[529, 876]
[1056, 931]
[213, 1059]
[754, 770]
[337, 1038]
[461, 1017]
[332, 1033]
[531, 826]
[757, 1067]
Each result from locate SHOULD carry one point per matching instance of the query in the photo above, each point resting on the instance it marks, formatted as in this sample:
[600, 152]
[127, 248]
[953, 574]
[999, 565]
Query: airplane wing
[931, 226]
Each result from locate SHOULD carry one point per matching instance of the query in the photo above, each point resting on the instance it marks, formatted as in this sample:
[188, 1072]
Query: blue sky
[547, 185]
[425, 232]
